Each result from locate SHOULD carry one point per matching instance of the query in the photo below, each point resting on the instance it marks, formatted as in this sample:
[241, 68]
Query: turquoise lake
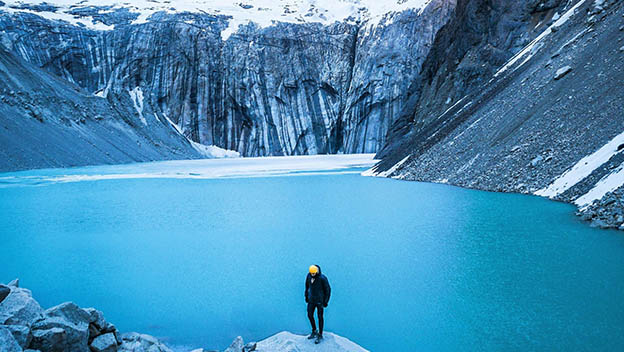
[413, 266]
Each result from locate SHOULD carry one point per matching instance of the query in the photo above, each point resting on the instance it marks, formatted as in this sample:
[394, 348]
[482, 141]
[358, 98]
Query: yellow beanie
[313, 269]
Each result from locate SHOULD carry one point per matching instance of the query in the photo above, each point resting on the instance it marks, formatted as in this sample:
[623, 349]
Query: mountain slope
[48, 122]
[547, 122]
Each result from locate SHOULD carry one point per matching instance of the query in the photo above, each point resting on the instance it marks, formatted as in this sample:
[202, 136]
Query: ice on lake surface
[198, 252]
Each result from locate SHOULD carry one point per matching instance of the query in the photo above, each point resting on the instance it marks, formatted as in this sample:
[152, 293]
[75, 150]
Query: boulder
[236, 346]
[98, 325]
[562, 72]
[19, 308]
[7, 341]
[49, 340]
[135, 342]
[70, 318]
[104, 343]
[21, 333]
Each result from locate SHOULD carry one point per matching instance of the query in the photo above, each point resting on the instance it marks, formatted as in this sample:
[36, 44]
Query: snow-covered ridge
[261, 12]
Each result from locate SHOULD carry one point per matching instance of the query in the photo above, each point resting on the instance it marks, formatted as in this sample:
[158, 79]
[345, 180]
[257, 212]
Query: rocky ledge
[26, 327]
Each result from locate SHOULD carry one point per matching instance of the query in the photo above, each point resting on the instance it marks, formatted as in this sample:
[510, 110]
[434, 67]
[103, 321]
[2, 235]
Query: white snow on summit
[262, 12]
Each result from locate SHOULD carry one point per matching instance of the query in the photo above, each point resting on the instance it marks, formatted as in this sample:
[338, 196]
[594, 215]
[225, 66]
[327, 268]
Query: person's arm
[307, 286]
[327, 290]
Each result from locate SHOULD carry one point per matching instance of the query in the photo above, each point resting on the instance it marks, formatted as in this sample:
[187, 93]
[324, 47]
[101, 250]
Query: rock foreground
[26, 326]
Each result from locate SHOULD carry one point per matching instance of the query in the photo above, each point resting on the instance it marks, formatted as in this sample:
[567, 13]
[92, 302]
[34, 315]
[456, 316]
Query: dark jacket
[317, 292]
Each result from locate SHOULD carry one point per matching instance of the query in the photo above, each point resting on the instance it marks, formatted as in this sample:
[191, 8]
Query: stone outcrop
[7, 341]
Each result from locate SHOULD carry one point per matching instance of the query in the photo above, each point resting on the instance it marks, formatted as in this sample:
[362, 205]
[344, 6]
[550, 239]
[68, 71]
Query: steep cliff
[283, 88]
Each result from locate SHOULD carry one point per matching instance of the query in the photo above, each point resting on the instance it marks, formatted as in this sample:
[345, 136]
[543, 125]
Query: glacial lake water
[197, 257]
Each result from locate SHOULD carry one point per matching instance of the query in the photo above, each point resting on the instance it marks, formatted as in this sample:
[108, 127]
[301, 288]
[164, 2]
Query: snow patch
[212, 151]
[262, 12]
[371, 172]
[137, 99]
[58, 15]
[582, 168]
[605, 185]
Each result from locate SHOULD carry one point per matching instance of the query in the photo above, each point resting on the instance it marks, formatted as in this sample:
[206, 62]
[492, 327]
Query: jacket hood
[319, 272]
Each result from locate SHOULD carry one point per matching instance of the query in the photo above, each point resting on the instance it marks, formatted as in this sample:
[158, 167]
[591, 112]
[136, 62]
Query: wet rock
[562, 72]
[19, 308]
[250, 347]
[104, 343]
[135, 342]
[7, 341]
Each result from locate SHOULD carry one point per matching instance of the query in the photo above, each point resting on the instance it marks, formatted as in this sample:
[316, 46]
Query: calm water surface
[413, 266]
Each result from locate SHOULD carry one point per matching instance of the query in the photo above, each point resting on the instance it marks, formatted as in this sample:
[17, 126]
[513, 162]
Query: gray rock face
[286, 87]
[104, 343]
[19, 308]
[21, 333]
[281, 90]
[65, 326]
[7, 341]
[54, 340]
[387, 62]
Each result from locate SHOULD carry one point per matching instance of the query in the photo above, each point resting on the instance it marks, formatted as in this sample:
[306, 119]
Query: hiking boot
[318, 338]
[312, 335]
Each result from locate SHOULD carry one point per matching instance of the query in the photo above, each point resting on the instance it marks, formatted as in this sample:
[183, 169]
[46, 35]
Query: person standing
[317, 292]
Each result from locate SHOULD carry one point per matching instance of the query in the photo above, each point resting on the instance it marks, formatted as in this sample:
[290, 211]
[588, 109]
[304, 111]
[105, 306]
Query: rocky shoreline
[26, 327]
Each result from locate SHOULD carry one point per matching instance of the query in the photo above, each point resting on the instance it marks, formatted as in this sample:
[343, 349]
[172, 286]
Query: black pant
[319, 313]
